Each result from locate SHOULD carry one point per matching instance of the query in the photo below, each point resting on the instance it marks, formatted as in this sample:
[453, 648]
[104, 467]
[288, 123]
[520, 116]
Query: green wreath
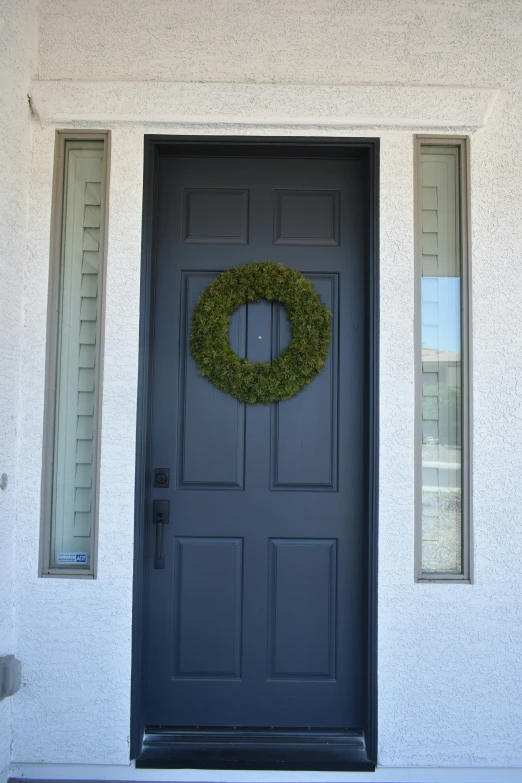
[260, 381]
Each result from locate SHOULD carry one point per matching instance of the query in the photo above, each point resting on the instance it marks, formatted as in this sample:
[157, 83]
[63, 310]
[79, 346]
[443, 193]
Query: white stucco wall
[17, 38]
[470, 42]
[449, 655]
[450, 672]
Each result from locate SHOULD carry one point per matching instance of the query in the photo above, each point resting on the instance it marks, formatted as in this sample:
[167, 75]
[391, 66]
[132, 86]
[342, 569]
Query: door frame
[243, 749]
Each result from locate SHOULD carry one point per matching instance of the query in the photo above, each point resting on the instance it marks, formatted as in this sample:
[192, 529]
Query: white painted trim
[109, 772]
[463, 109]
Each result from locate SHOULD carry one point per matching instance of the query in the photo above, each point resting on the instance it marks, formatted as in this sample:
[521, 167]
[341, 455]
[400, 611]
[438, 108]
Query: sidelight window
[70, 474]
[442, 361]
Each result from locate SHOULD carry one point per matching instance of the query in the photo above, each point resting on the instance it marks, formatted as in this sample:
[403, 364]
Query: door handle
[160, 517]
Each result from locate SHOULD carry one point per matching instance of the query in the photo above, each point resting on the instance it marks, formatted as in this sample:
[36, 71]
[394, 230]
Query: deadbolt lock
[161, 478]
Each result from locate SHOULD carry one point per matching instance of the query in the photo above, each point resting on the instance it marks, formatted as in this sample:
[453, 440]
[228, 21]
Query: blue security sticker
[71, 558]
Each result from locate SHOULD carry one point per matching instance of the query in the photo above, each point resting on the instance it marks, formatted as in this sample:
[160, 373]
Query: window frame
[462, 143]
[51, 359]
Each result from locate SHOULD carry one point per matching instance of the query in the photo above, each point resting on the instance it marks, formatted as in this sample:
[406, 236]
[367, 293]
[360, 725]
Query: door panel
[211, 425]
[302, 615]
[208, 622]
[259, 618]
[306, 457]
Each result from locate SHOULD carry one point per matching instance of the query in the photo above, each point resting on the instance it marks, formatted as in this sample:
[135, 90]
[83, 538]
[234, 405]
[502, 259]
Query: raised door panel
[215, 216]
[208, 617]
[304, 440]
[306, 217]
[302, 609]
[211, 423]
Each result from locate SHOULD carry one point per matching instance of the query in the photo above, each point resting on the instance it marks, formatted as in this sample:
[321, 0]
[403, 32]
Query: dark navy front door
[258, 618]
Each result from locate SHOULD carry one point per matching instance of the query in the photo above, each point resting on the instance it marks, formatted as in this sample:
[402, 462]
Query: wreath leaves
[296, 366]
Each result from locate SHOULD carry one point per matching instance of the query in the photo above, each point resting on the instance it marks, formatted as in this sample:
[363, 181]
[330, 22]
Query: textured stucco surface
[449, 661]
[449, 655]
[430, 108]
[74, 636]
[17, 38]
[293, 42]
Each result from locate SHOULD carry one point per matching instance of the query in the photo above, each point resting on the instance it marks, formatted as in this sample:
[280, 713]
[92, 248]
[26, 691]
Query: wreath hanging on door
[297, 365]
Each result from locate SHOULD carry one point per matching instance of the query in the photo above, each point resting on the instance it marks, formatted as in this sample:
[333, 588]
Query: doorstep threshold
[254, 749]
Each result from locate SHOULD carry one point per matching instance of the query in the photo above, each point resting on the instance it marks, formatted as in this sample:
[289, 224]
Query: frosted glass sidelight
[440, 410]
[73, 499]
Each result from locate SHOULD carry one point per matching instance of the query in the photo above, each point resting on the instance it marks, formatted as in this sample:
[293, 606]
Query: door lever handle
[160, 517]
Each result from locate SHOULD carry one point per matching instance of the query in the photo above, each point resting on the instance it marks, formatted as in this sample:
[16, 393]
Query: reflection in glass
[441, 361]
